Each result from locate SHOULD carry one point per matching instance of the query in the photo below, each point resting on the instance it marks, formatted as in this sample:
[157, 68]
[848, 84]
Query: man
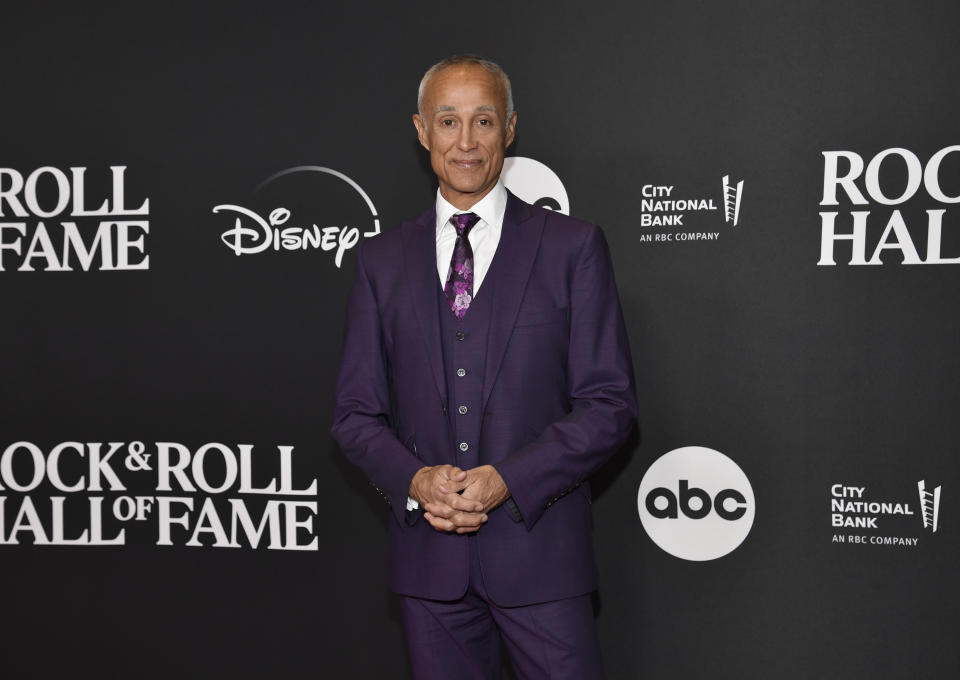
[486, 375]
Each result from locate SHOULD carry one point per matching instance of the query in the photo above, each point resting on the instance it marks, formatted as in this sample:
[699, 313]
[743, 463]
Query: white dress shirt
[484, 238]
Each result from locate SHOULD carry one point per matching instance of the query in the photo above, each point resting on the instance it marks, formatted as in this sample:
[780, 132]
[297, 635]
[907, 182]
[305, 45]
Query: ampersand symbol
[136, 460]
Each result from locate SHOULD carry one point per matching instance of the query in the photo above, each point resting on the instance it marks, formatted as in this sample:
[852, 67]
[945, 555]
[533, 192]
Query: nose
[466, 140]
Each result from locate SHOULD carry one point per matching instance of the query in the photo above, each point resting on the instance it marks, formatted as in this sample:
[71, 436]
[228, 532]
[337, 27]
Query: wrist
[413, 491]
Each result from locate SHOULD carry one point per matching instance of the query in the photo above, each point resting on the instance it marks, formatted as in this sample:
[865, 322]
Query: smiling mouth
[468, 164]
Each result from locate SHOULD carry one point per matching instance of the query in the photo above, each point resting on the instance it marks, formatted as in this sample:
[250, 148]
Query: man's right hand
[436, 488]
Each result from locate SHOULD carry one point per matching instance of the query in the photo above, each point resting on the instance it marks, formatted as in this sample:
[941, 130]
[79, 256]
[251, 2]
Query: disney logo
[252, 234]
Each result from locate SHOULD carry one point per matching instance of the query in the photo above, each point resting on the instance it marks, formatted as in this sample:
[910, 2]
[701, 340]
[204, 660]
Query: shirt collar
[491, 208]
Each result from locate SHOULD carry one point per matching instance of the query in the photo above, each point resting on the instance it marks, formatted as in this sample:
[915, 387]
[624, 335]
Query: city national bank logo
[535, 183]
[47, 221]
[882, 521]
[662, 208]
[875, 212]
[696, 503]
[929, 506]
[731, 200]
[308, 207]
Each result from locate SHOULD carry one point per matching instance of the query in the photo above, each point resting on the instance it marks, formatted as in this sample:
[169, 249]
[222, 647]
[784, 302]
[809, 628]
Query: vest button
[444, 409]
[464, 446]
[461, 372]
[461, 335]
[462, 410]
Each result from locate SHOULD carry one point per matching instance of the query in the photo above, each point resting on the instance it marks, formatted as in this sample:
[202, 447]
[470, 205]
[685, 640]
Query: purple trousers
[461, 639]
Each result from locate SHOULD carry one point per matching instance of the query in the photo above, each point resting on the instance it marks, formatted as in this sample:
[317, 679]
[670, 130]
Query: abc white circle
[711, 536]
[533, 181]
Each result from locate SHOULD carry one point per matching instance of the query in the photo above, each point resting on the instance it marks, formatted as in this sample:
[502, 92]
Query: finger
[470, 529]
[442, 526]
[458, 518]
[439, 523]
[474, 493]
[450, 472]
[452, 486]
[468, 519]
[458, 502]
[439, 510]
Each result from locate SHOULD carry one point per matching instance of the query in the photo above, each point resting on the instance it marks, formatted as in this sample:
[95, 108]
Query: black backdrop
[806, 375]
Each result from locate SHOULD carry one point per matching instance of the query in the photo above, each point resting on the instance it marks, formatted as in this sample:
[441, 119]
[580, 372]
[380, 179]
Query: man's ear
[421, 131]
[511, 130]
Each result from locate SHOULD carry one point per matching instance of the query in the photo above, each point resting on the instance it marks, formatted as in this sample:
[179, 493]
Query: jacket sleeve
[601, 391]
[361, 418]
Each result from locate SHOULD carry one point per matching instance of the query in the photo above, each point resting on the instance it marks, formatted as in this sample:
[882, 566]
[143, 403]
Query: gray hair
[466, 60]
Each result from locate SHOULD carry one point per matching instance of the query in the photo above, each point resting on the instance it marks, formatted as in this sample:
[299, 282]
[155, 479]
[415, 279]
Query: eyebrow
[448, 107]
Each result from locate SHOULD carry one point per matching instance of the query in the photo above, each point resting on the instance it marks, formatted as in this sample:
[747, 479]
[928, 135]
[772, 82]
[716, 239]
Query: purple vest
[464, 344]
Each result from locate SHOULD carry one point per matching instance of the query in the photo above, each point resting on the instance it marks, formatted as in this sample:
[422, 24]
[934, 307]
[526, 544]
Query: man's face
[464, 128]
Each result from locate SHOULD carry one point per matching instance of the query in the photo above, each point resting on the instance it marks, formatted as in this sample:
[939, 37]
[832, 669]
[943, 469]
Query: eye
[484, 122]
[447, 122]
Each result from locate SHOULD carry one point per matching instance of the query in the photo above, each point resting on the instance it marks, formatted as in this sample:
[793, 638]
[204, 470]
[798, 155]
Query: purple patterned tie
[459, 286]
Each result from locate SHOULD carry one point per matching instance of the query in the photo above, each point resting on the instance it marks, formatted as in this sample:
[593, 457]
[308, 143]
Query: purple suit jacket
[558, 400]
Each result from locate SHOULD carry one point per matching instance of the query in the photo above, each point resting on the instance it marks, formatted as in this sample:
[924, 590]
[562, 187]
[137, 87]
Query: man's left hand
[485, 485]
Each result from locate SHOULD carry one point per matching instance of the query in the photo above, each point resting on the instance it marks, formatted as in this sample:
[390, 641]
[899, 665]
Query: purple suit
[558, 399]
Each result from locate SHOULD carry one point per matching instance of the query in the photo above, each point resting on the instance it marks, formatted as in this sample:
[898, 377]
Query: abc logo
[696, 503]
[535, 183]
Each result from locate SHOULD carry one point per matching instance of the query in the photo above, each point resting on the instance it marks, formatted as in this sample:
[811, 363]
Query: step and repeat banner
[183, 191]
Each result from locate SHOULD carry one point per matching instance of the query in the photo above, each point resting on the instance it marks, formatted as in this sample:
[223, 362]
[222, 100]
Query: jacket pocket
[541, 317]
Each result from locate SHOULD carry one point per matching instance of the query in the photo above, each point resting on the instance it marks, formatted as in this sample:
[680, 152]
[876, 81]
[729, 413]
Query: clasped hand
[456, 500]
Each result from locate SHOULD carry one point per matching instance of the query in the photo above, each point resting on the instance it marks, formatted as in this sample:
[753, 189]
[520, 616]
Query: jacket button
[444, 409]
[464, 446]
[461, 335]
[461, 372]
[462, 410]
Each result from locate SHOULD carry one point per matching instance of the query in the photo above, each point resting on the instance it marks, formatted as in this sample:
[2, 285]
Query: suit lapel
[515, 254]
[420, 260]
